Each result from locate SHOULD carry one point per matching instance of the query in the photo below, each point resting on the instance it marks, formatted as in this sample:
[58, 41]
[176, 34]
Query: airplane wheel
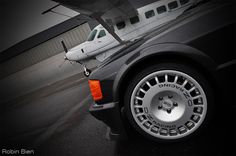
[168, 102]
[87, 73]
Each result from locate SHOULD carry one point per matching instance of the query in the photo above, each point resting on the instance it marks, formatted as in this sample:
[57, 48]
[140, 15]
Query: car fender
[159, 50]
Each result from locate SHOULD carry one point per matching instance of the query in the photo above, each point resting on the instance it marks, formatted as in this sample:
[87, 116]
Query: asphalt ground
[54, 120]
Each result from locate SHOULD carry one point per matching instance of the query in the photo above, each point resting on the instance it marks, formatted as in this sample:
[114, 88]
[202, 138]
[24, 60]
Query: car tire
[168, 102]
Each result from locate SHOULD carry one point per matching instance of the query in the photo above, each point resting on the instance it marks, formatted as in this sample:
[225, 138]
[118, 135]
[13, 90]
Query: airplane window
[92, 35]
[102, 33]
[182, 2]
[120, 25]
[173, 5]
[161, 9]
[149, 13]
[134, 20]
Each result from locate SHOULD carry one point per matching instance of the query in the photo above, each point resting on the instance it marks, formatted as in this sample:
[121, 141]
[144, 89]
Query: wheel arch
[162, 53]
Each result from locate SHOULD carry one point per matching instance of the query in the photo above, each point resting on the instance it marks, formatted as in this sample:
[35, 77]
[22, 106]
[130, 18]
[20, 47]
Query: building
[45, 44]
[35, 62]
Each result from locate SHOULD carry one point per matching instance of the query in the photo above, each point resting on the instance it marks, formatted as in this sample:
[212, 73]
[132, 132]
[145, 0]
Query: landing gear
[87, 71]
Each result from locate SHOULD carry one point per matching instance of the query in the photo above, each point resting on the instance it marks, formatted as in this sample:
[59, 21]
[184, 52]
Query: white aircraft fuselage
[101, 44]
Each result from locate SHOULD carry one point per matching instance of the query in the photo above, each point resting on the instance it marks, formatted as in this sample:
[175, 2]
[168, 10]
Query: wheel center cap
[167, 104]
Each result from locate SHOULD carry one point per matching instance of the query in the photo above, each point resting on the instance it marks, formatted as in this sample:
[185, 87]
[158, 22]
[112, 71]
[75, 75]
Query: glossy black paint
[203, 37]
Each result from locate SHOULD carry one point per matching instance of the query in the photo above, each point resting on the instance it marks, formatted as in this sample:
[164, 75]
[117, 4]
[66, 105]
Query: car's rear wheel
[168, 101]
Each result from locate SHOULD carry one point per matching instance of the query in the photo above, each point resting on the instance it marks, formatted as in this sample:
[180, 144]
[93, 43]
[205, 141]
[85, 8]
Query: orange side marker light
[95, 89]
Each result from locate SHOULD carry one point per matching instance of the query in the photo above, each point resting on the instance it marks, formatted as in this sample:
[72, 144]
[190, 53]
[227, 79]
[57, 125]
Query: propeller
[64, 46]
[66, 50]
[62, 63]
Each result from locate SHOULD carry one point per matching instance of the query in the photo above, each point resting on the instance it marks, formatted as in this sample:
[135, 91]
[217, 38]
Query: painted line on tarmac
[52, 129]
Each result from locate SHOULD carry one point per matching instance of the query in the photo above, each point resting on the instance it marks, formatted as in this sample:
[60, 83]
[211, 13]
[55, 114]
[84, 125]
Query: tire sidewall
[195, 74]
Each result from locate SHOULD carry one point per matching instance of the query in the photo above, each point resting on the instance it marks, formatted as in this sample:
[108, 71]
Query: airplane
[117, 30]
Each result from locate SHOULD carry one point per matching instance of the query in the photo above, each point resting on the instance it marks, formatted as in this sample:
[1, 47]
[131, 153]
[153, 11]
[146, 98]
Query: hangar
[36, 61]
[45, 44]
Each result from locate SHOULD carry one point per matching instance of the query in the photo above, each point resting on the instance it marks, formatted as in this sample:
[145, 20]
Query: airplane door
[90, 45]
[102, 42]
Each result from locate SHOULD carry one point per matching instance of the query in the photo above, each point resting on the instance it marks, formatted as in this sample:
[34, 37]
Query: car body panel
[198, 37]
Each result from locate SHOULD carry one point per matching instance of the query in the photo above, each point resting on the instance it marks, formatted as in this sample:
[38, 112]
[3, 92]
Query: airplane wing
[111, 8]
[104, 11]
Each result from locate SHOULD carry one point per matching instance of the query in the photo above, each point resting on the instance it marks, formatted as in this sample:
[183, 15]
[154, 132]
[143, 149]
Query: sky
[21, 19]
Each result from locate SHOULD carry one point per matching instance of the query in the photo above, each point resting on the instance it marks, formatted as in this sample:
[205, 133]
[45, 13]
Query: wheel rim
[168, 104]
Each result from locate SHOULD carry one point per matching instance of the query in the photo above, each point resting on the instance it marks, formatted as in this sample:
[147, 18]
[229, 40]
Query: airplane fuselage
[149, 17]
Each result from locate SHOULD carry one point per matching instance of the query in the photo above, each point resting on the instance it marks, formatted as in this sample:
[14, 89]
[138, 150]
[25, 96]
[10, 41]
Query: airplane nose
[65, 58]
[72, 56]
[68, 56]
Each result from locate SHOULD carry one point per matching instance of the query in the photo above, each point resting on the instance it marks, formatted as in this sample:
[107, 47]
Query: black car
[166, 84]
